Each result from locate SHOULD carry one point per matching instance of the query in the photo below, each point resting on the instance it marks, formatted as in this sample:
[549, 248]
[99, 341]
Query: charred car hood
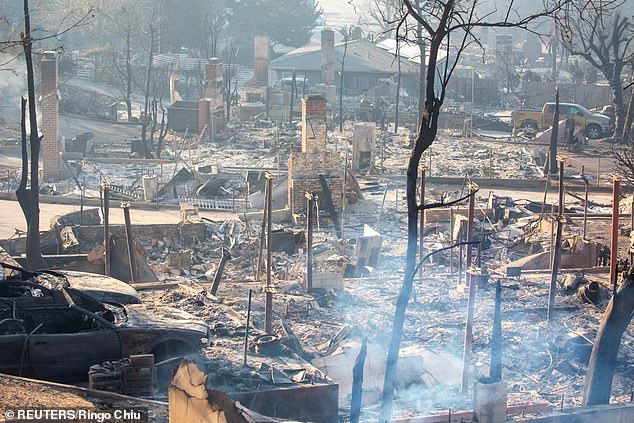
[102, 288]
[151, 316]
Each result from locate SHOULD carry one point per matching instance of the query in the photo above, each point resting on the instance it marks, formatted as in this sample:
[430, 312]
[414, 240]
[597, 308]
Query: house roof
[362, 56]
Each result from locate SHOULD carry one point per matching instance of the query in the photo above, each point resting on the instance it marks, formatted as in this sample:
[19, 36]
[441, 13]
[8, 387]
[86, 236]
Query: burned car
[100, 287]
[61, 341]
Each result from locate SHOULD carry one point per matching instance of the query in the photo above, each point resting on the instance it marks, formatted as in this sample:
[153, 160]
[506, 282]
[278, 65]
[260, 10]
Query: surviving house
[366, 65]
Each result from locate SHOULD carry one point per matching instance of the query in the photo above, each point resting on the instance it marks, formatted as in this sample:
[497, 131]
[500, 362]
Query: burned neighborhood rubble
[317, 211]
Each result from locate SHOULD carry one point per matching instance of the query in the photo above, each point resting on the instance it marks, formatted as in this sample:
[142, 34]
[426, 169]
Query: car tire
[530, 125]
[593, 132]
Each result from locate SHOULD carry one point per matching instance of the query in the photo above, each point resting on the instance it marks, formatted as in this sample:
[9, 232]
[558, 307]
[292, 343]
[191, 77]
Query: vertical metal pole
[556, 254]
[598, 171]
[309, 240]
[451, 224]
[585, 203]
[632, 229]
[8, 180]
[106, 229]
[81, 204]
[269, 293]
[490, 163]
[614, 244]
[470, 216]
[468, 337]
[554, 136]
[130, 240]
[461, 258]
[396, 202]
[421, 224]
[246, 330]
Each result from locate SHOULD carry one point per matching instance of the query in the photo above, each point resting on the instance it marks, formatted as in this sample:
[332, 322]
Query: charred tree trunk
[357, 383]
[619, 105]
[606, 345]
[34, 257]
[426, 136]
[629, 117]
[22, 193]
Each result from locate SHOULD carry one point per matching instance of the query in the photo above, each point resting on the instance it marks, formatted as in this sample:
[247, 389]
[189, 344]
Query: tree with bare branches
[602, 34]
[448, 27]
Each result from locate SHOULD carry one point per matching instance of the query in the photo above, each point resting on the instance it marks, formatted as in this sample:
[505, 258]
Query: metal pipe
[246, 330]
[468, 337]
[310, 197]
[268, 312]
[130, 240]
[470, 216]
[557, 250]
[451, 225]
[614, 244]
[585, 203]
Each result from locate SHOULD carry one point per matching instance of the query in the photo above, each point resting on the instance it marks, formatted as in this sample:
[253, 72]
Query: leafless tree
[601, 33]
[230, 78]
[448, 26]
[346, 33]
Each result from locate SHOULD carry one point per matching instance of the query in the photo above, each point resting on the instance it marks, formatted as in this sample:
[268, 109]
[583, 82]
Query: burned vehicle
[100, 287]
[61, 341]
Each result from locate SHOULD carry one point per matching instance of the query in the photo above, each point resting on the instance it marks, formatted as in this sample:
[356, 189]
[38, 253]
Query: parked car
[60, 341]
[595, 125]
[100, 287]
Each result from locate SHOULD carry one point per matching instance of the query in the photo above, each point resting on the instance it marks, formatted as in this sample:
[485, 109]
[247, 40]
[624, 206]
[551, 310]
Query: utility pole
[561, 219]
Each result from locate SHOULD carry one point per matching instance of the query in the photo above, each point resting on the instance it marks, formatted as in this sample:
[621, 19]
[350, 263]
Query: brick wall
[214, 72]
[49, 110]
[261, 53]
[314, 111]
[304, 170]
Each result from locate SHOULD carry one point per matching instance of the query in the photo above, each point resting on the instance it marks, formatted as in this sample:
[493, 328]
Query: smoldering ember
[317, 211]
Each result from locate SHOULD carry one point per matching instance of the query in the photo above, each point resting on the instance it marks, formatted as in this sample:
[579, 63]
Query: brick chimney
[328, 57]
[214, 72]
[49, 110]
[261, 52]
[314, 109]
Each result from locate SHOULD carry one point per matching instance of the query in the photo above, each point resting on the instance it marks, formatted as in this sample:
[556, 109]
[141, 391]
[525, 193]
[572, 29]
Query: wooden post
[268, 311]
[130, 241]
[421, 227]
[106, 228]
[557, 250]
[226, 256]
[614, 244]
